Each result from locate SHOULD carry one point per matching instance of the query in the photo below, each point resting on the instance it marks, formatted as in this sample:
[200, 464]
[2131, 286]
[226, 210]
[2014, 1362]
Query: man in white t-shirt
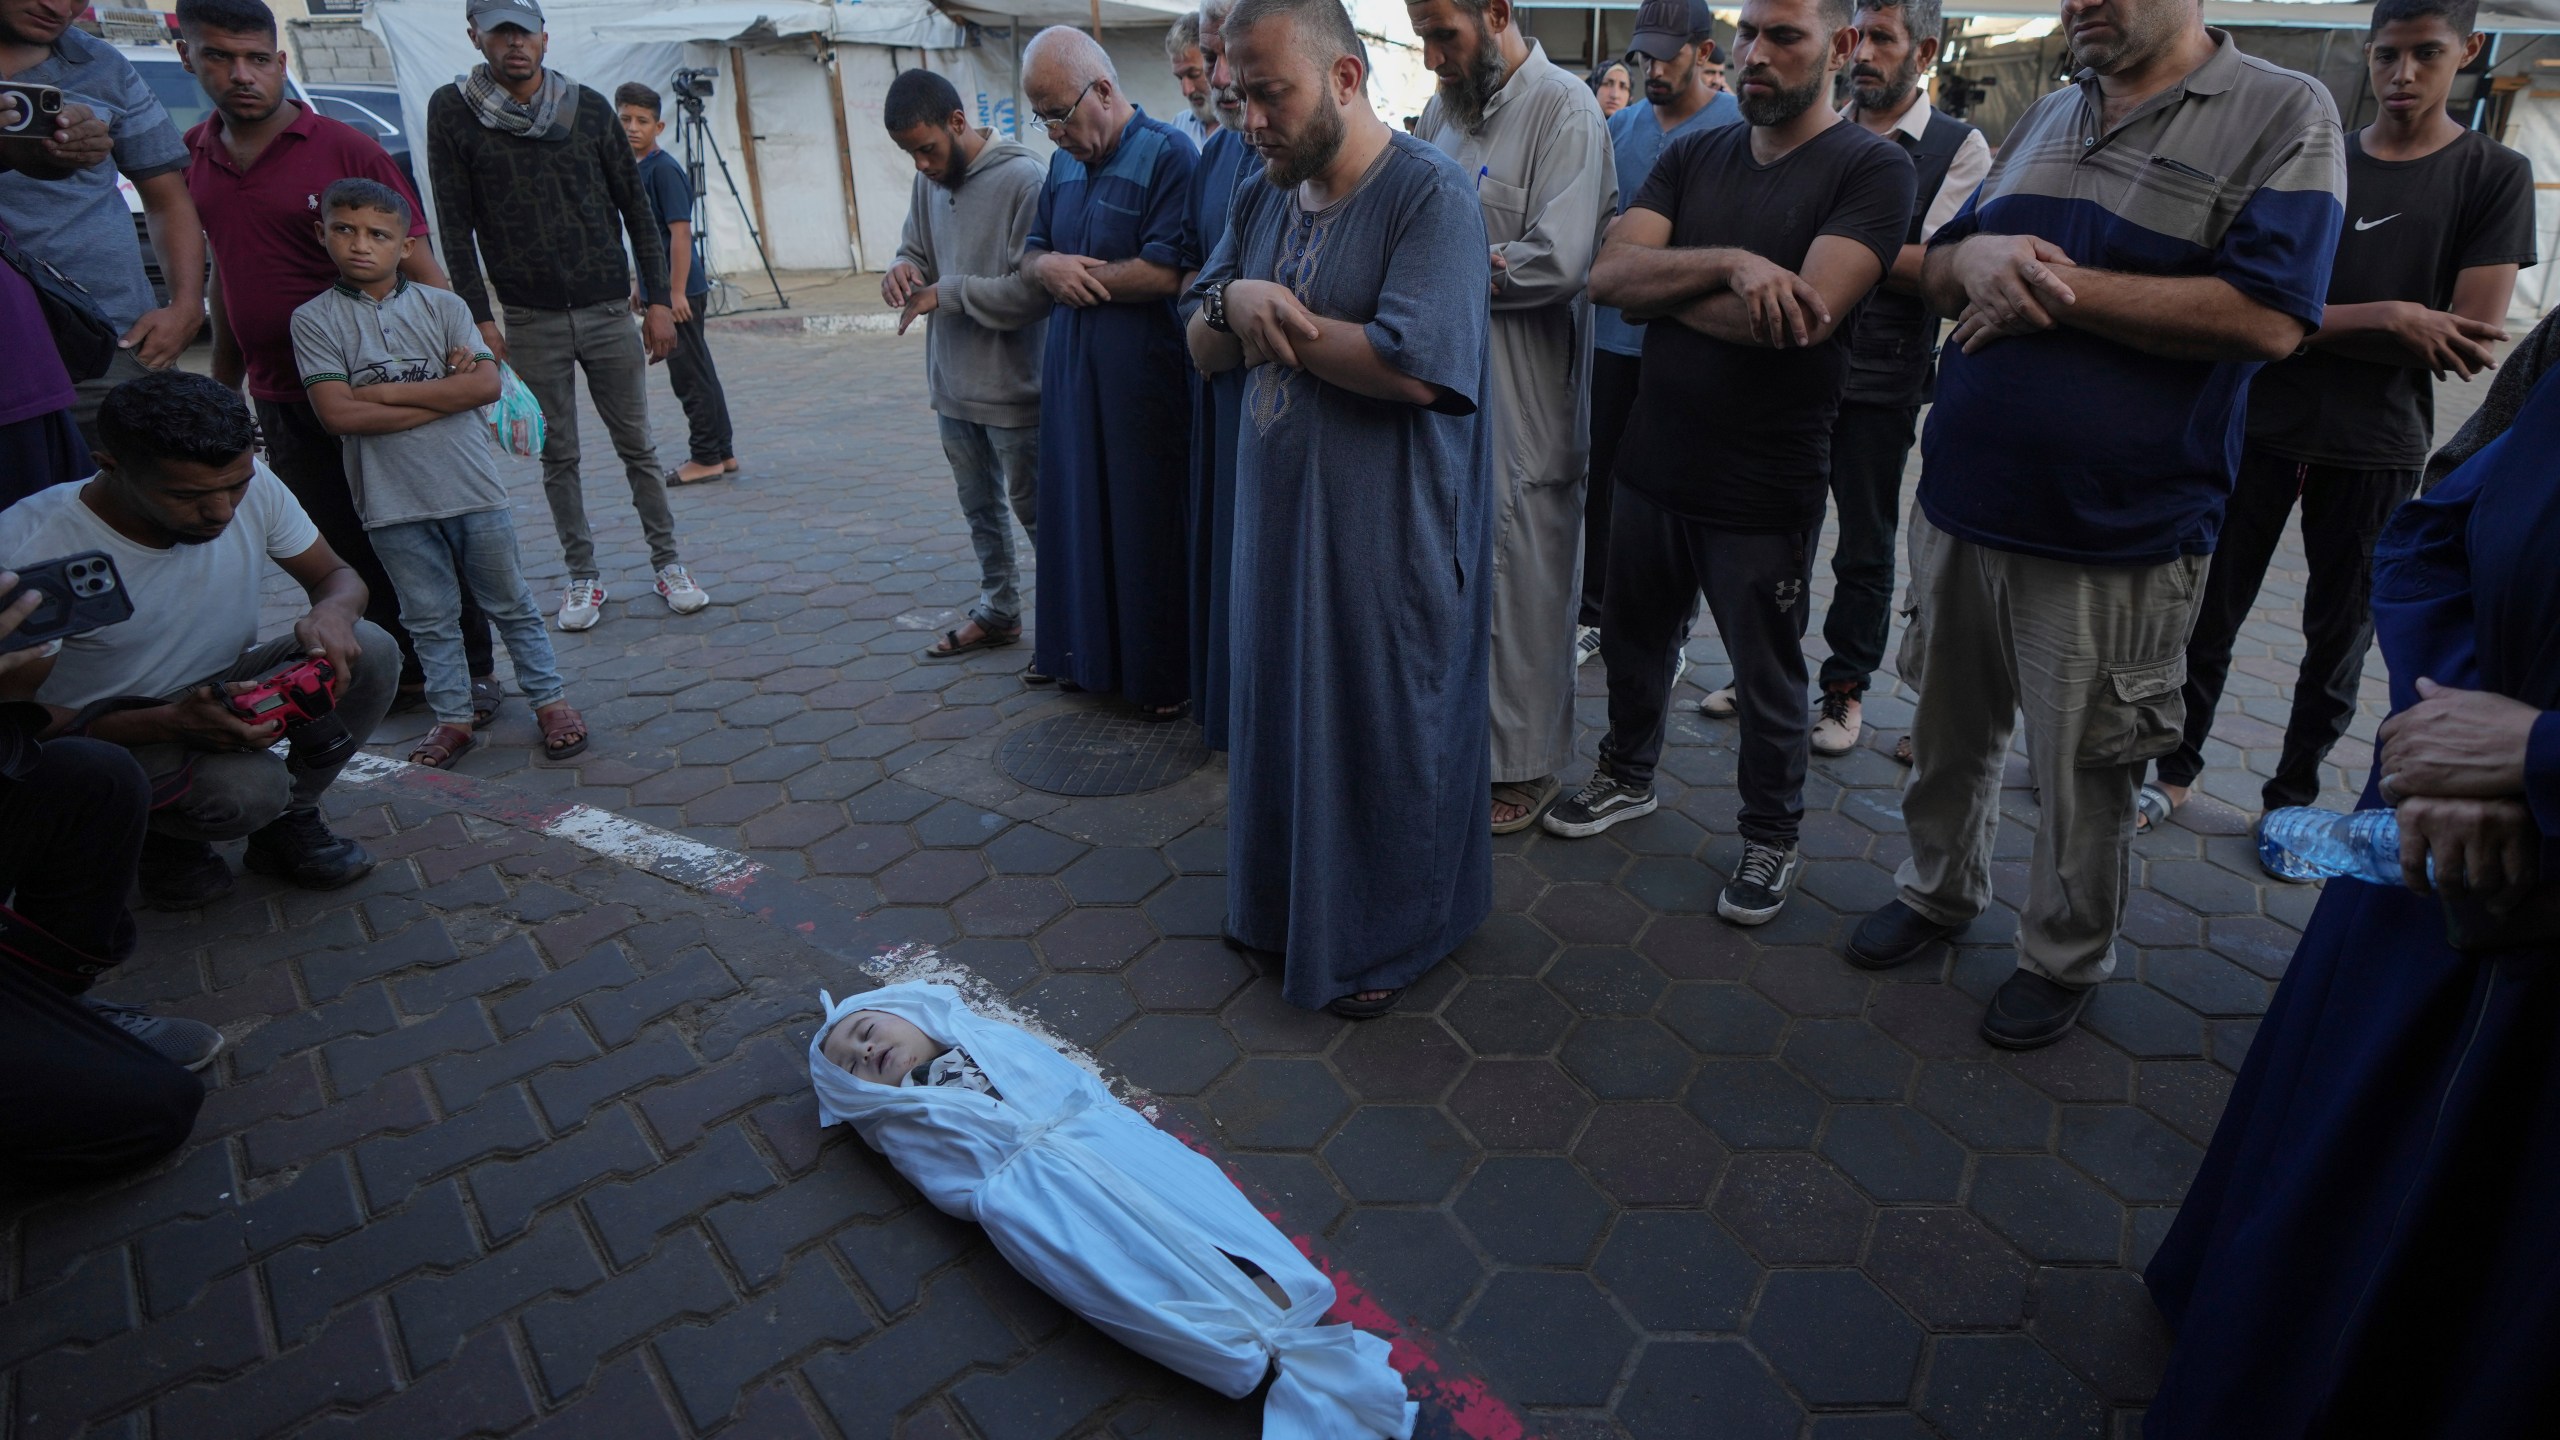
[192, 521]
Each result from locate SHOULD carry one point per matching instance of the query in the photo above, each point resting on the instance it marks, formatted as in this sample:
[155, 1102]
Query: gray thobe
[1546, 179]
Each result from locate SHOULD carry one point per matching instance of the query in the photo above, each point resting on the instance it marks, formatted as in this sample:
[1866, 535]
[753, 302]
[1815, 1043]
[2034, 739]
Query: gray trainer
[1599, 804]
[188, 1044]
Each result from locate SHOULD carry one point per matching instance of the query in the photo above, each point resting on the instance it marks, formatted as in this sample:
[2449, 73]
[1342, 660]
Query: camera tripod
[693, 140]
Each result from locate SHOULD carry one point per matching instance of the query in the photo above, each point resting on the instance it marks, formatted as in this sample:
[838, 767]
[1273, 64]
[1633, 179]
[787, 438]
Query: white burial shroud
[1119, 1221]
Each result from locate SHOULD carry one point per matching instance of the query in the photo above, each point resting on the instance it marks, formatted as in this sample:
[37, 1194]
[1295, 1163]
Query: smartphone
[81, 593]
[38, 107]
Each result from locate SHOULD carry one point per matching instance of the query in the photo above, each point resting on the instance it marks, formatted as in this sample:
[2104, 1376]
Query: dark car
[373, 109]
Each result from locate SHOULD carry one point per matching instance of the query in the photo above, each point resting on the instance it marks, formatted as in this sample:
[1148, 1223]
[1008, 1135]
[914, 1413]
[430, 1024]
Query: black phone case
[81, 593]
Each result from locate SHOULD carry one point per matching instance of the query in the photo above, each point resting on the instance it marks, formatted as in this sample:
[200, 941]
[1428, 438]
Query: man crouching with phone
[87, 1088]
[190, 517]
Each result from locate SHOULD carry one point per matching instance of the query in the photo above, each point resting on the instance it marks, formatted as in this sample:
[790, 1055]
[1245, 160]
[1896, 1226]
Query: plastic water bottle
[2304, 843]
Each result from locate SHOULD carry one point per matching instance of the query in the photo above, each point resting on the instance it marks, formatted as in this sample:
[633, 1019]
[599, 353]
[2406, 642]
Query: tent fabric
[1116, 1219]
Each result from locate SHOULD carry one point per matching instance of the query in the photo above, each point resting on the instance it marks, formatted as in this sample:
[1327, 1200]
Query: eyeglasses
[1052, 123]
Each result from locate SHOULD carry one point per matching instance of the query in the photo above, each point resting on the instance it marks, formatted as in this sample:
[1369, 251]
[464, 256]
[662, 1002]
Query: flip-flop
[1902, 751]
[675, 478]
[487, 695]
[1532, 795]
[951, 647]
[1349, 1007]
[2152, 808]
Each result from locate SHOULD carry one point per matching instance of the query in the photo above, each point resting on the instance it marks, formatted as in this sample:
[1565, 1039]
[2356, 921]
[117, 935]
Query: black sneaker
[1599, 804]
[182, 874]
[187, 1044]
[2029, 1012]
[1758, 891]
[296, 846]
[1893, 934]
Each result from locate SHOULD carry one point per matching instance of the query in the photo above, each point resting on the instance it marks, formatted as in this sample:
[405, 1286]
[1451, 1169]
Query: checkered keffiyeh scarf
[547, 118]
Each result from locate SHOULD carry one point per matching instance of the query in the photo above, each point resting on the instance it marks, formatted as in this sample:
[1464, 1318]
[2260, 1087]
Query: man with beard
[1531, 136]
[1749, 249]
[960, 262]
[2148, 238]
[256, 165]
[1111, 244]
[1889, 354]
[533, 175]
[1216, 400]
[1672, 40]
[1199, 118]
[1356, 842]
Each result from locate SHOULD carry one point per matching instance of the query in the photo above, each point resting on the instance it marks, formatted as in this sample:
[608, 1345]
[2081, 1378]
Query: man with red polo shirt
[256, 169]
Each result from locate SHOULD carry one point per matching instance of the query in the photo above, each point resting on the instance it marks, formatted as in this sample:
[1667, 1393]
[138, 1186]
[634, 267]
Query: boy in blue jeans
[397, 370]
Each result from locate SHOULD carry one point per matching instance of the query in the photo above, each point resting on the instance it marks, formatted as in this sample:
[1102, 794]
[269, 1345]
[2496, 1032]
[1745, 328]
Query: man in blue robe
[1216, 400]
[1356, 838]
[1111, 244]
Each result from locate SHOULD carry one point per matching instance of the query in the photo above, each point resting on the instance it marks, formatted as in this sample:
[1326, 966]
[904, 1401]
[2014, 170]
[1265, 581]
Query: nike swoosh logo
[2363, 225]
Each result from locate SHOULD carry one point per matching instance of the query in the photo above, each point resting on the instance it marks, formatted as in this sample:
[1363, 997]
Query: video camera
[315, 735]
[694, 83]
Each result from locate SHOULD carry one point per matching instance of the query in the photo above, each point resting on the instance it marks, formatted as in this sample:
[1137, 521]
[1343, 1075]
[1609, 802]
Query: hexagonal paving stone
[890, 803]
[1187, 974]
[1009, 905]
[2077, 1067]
[1399, 1057]
[1263, 1022]
[1398, 1154]
[1627, 1059]
[731, 804]
[1115, 875]
[2204, 982]
[860, 850]
[1835, 1337]
[1754, 1104]
[1413, 1262]
[2129, 1152]
[1030, 850]
[1852, 887]
[1684, 1389]
[1191, 905]
[2261, 945]
[1673, 885]
[1591, 861]
[1518, 1105]
[1294, 1187]
[2103, 1325]
[1532, 1210]
[1267, 1104]
[1589, 914]
[2005, 1387]
[1172, 1054]
[1507, 1017]
[1848, 1060]
[1948, 1269]
[1101, 939]
[1677, 1270]
[2142, 1021]
[1687, 948]
[1505, 945]
[1551, 1337]
[2207, 889]
[1081, 1008]
[1650, 1155]
[2046, 1210]
[1893, 1154]
[1810, 982]
[1722, 1019]
[932, 877]
[1792, 1209]
[1605, 980]
[957, 823]
[2186, 1094]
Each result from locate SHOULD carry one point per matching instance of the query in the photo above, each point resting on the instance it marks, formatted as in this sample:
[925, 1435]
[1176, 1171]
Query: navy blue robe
[2372, 1246]
[1216, 401]
[1115, 429]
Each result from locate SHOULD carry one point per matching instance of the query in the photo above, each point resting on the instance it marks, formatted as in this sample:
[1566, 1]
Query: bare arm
[230, 367]
[1133, 280]
[2403, 332]
[679, 257]
[1637, 272]
[345, 410]
[1272, 327]
[1840, 272]
[177, 237]
[1999, 285]
[464, 389]
[1908, 262]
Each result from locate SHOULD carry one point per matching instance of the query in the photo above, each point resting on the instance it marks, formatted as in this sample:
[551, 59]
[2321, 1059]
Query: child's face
[368, 245]
[877, 1046]
[641, 128]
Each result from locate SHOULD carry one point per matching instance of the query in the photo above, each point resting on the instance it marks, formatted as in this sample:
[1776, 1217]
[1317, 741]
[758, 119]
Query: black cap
[1663, 26]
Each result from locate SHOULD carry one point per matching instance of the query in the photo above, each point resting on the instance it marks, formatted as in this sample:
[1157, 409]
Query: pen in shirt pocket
[1483, 173]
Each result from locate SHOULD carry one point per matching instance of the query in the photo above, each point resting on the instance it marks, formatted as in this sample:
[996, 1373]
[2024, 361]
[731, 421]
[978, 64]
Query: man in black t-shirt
[1748, 249]
[2439, 220]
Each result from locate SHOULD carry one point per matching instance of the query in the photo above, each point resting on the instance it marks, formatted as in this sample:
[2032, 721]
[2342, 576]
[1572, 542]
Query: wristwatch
[1213, 307]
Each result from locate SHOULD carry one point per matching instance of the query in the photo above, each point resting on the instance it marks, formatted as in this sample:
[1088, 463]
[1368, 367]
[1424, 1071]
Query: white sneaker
[1680, 671]
[682, 595]
[583, 606]
[1836, 723]
[1586, 644]
[1718, 705]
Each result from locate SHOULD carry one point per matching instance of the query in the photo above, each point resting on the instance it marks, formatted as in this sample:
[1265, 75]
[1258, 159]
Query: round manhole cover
[1095, 752]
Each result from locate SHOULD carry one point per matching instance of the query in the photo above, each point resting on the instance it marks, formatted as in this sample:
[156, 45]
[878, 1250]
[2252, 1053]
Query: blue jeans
[423, 557]
[995, 465]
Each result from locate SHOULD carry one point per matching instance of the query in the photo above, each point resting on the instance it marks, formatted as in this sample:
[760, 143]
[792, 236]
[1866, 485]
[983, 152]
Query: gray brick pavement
[512, 1141]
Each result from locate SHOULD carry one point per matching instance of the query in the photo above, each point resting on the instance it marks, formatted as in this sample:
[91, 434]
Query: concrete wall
[335, 51]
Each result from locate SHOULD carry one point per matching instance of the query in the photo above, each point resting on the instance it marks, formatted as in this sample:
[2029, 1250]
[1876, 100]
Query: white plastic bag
[1119, 1221]
[515, 420]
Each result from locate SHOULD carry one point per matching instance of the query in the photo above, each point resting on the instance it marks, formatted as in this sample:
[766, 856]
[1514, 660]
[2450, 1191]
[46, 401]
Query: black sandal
[952, 647]
[1351, 1007]
[487, 695]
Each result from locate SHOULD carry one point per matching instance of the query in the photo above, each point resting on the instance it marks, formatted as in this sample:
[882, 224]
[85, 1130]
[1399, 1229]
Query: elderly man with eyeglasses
[1112, 243]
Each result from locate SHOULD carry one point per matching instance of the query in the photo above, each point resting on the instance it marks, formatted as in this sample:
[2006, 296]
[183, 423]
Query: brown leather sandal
[443, 745]
[564, 731]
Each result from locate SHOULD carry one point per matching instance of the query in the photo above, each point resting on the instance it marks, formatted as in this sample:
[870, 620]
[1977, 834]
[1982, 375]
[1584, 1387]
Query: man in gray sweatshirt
[959, 262]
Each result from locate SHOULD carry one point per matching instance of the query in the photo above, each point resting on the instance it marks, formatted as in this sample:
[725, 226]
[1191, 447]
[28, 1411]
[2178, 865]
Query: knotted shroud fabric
[1117, 1220]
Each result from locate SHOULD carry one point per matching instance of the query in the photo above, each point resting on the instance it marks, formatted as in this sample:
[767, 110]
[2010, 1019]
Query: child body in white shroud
[1117, 1220]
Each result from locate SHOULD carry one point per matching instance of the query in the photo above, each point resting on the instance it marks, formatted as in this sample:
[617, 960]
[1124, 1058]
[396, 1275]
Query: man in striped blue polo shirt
[2148, 238]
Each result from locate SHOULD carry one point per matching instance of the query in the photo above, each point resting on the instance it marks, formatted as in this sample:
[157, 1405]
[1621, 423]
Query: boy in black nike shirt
[2439, 220]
